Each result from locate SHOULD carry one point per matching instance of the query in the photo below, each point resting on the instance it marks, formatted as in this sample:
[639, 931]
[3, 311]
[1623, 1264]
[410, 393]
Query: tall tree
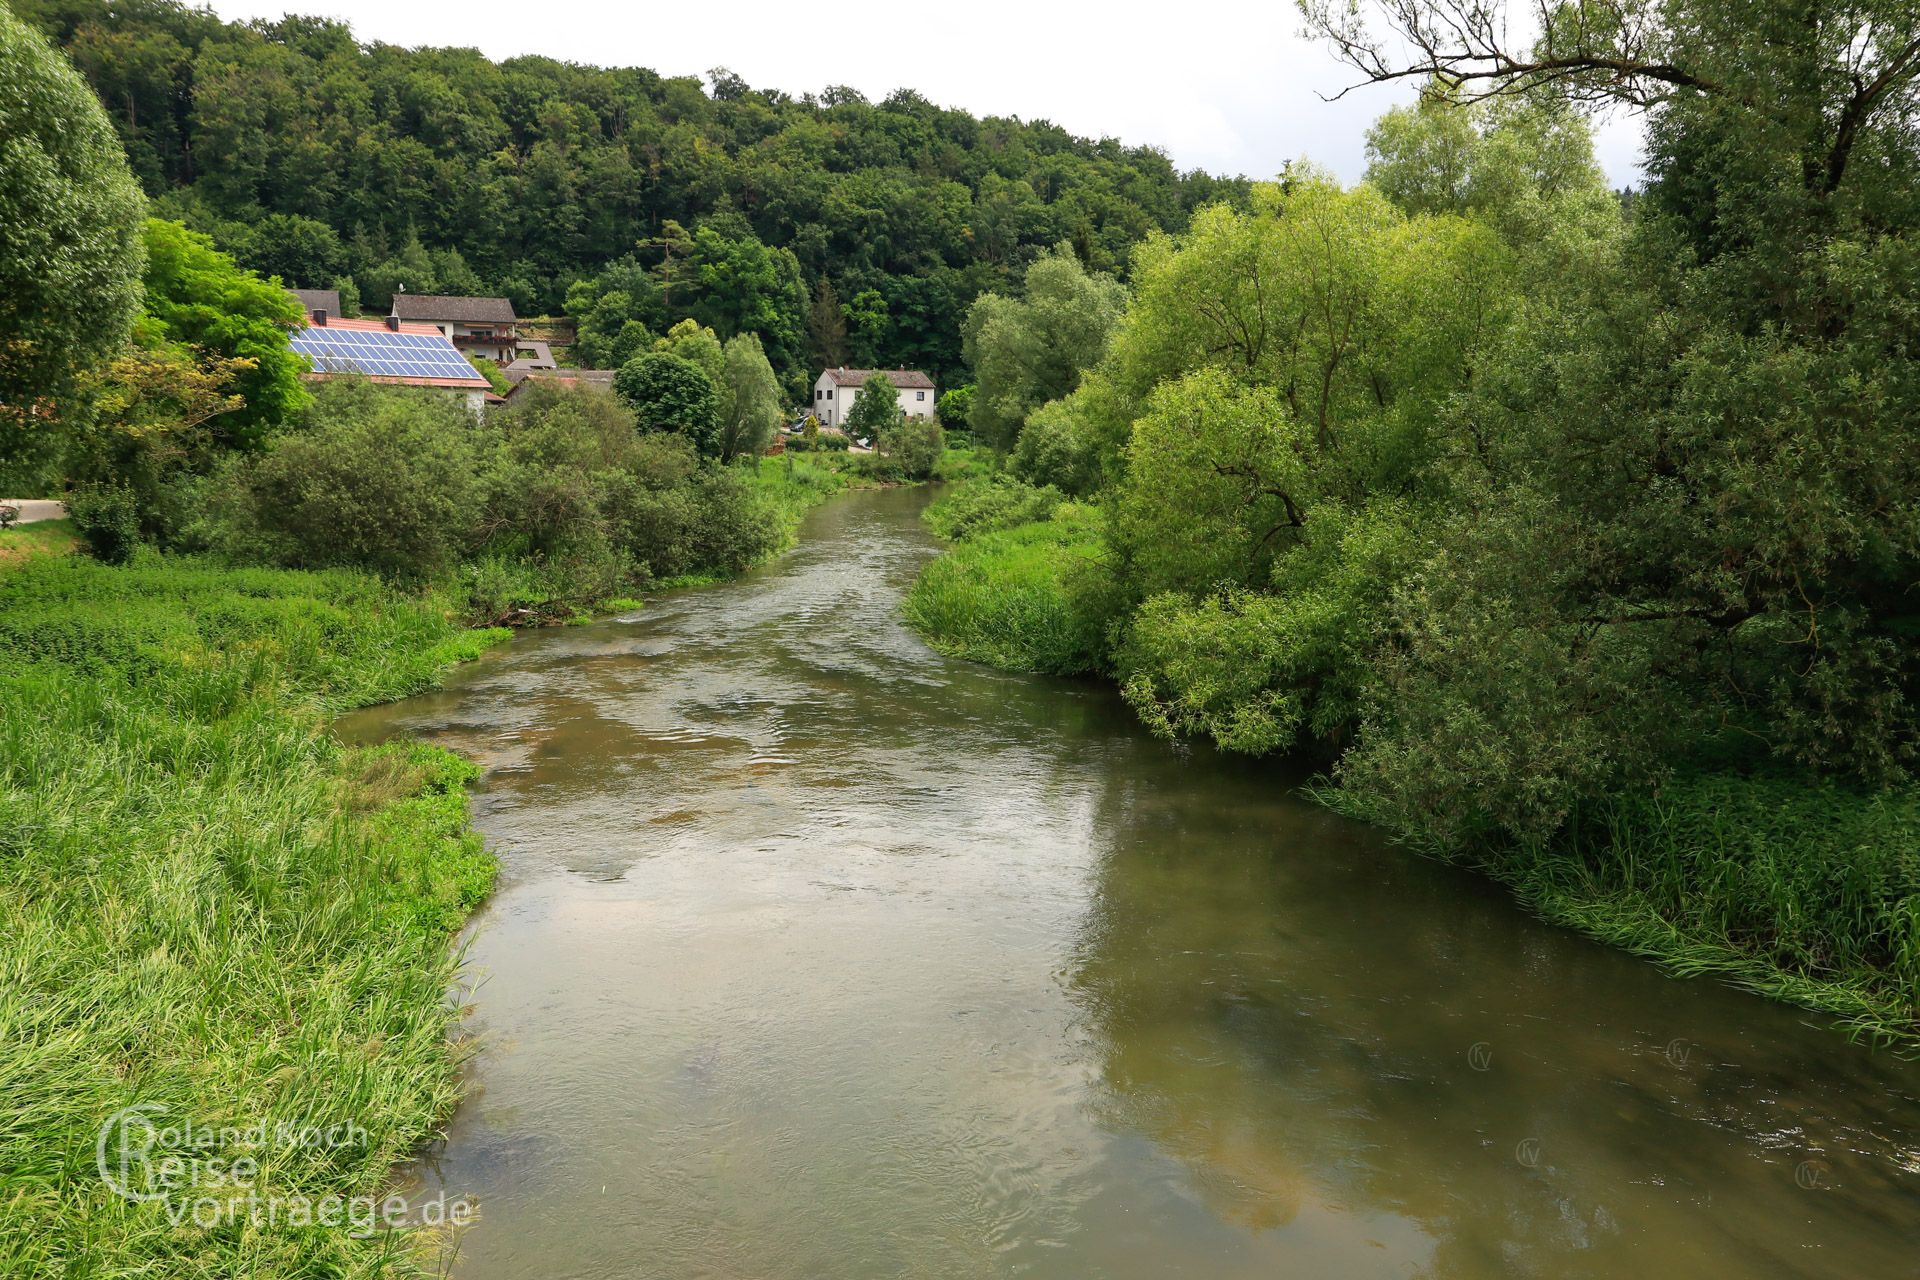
[750, 406]
[1029, 350]
[826, 328]
[70, 249]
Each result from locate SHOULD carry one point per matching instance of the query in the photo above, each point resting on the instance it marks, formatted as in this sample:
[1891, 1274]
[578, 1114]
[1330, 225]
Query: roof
[312, 300]
[566, 377]
[414, 355]
[904, 379]
[434, 306]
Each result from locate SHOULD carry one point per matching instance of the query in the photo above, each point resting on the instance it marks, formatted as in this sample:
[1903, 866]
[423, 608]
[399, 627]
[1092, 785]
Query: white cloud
[1231, 88]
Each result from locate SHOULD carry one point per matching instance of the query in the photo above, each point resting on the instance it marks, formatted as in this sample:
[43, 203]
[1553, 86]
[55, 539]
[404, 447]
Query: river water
[816, 954]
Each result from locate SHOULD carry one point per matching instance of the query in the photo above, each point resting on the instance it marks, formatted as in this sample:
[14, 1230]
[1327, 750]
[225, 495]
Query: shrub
[382, 479]
[912, 445]
[108, 517]
[982, 506]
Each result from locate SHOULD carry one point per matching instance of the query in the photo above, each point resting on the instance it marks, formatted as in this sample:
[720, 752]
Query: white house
[834, 391]
[480, 326]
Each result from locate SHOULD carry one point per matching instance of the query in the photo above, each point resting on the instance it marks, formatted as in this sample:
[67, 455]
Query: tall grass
[1799, 889]
[208, 904]
[1015, 598]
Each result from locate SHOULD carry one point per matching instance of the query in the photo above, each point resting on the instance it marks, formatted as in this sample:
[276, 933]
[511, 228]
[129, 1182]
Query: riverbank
[216, 911]
[1801, 890]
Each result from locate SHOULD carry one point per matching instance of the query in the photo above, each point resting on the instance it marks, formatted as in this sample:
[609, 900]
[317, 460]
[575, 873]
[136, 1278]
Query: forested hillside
[309, 155]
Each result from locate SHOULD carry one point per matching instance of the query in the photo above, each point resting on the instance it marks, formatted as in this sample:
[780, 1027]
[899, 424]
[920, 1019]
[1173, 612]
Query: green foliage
[989, 504]
[70, 251]
[206, 897]
[954, 408]
[197, 295]
[669, 393]
[735, 208]
[1027, 351]
[375, 480]
[1020, 598]
[750, 404]
[876, 407]
[107, 516]
[912, 446]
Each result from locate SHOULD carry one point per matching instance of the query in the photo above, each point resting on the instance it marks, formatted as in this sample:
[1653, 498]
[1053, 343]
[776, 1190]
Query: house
[520, 376]
[409, 355]
[834, 391]
[312, 300]
[479, 326]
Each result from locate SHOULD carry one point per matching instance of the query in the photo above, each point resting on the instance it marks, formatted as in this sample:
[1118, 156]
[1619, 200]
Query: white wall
[833, 413]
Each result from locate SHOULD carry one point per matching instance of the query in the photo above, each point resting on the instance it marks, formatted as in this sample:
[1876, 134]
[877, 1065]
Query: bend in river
[816, 953]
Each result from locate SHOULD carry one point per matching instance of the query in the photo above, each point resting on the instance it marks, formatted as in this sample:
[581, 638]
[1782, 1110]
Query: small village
[425, 340]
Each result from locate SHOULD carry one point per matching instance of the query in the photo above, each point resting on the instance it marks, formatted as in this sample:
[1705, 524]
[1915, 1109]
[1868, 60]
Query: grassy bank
[212, 907]
[1007, 597]
[1805, 891]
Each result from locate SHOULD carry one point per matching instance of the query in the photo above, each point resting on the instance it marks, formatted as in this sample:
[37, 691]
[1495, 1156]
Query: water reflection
[816, 954]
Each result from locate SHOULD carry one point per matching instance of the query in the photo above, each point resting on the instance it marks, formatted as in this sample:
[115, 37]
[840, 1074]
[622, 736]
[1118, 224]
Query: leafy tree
[1027, 351]
[692, 341]
[70, 251]
[750, 405]
[669, 393]
[954, 408]
[741, 286]
[913, 445]
[197, 295]
[826, 328]
[876, 407]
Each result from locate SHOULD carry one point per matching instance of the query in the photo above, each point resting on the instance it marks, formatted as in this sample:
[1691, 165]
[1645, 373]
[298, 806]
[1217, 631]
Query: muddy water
[816, 954]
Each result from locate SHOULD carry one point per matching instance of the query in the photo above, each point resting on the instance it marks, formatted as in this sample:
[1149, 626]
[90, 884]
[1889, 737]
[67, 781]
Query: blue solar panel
[382, 353]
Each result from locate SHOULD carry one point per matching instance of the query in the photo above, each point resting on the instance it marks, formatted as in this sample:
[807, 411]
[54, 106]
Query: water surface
[817, 954]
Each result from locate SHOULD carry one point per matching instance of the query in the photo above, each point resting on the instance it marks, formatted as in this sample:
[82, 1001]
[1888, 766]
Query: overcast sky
[1227, 87]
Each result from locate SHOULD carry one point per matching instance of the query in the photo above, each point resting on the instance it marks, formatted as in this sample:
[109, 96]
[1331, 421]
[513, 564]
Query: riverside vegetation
[1573, 535]
[211, 906]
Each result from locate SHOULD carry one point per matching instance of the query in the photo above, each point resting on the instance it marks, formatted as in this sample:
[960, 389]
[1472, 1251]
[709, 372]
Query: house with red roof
[389, 351]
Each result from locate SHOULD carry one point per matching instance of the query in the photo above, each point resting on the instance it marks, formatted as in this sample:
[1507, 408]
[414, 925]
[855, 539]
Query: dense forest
[839, 229]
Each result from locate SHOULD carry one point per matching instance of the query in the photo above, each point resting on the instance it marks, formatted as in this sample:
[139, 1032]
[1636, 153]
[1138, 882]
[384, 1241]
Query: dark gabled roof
[312, 300]
[904, 379]
[432, 306]
[571, 377]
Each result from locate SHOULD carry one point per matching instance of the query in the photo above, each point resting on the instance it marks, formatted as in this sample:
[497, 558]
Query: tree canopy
[301, 150]
[70, 221]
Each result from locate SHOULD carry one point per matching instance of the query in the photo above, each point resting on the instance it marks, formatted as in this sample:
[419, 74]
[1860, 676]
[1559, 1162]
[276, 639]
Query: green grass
[1802, 890]
[25, 542]
[1009, 598]
[209, 904]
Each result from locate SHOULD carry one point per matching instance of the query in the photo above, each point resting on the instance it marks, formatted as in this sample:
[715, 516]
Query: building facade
[477, 326]
[834, 392]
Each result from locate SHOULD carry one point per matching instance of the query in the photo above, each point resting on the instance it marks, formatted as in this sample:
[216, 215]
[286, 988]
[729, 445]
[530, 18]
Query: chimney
[320, 316]
[393, 322]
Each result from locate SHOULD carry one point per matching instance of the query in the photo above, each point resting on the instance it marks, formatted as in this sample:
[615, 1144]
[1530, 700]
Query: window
[919, 395]
[829, 393]
[816, 393]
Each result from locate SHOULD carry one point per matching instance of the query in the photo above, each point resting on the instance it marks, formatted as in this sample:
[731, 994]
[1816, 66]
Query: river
[816, 954]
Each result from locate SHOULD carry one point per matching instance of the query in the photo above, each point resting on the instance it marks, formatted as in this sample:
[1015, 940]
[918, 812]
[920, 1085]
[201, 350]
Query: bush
[912, 446]
[381, 479]
[982, 506]
[108, 517]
